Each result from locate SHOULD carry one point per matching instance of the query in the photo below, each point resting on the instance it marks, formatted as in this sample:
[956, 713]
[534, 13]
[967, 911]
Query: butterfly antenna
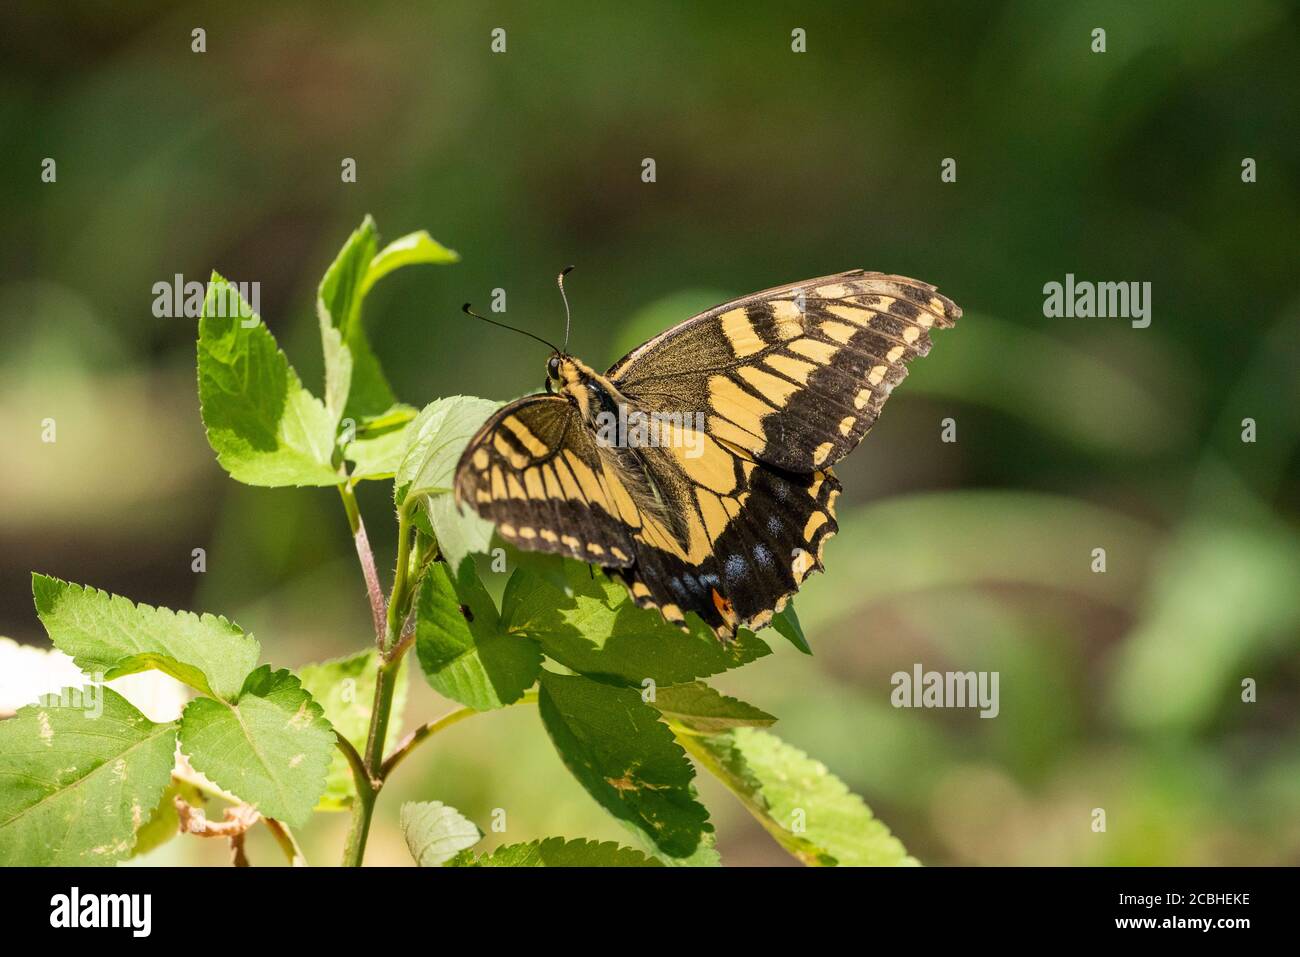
[559, 281]
[470, 312]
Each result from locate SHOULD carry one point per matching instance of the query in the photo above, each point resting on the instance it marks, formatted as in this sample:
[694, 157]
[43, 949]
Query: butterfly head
[565, 375]
[582, 385]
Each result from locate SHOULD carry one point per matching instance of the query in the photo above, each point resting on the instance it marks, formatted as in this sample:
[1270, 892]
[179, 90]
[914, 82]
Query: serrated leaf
[786, 623]
[626, 758]
[345, 690]
[463, 651]
[75, 787]
[557, 852]
[436, 440]
[110, 635]
[595, 629]
[264, 426]
[435, 832]
[409, 250]
[705, 711]
[810, 812]
[271, 747]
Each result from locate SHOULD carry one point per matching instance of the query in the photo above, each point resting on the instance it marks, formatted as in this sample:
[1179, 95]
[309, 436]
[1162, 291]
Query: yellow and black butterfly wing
[535, 471]
[742, 538]
[796, 375]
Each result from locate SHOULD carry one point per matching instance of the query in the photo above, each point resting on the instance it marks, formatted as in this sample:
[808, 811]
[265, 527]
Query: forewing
[795, 375]
[534, 470]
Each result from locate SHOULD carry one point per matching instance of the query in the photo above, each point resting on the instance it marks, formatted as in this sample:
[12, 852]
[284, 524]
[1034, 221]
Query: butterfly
[698, 468]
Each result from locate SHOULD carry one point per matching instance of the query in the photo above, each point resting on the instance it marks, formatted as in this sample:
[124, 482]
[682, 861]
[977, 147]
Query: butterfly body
[698, 467]
[590, 391]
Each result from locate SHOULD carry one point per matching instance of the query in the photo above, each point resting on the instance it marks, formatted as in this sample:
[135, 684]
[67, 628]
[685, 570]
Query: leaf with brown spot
[249, 746]
[626, 758]
[73, 784]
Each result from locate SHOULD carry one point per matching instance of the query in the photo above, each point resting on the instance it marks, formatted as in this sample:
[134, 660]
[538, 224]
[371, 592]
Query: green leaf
[436, 440]
[557, 852]
[435, 833]
[355, 384]
[345, 690]
[75, 787]
[338, 308]
[459, 532]
[626, 758]
[462, 648]
[595, 629]
[703, 710]
[810, 812]
[410, 250]
[786, 623]
[110, 635]
[271, 748]
[381, 440]
[264, 426]
[397, 416]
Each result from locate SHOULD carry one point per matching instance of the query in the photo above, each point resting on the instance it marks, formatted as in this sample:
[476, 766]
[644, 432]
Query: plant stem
[355, 761]
[367, 557]
[385, 685]
[362, 809]
[400, 601]
[365, 771]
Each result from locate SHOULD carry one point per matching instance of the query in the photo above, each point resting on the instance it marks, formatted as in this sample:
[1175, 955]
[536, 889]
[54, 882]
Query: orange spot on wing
[724, 607]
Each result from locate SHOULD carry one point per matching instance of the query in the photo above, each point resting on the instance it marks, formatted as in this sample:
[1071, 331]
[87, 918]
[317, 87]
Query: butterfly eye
[553, 367]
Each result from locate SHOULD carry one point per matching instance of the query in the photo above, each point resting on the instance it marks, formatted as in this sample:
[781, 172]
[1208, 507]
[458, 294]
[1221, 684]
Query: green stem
[399, 604]
[385, 685]
[355, 761]
[362, 810]
[350, 506]
[366, 776]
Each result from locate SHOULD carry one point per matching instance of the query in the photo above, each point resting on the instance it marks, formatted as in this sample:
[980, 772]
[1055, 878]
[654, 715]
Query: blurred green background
[1119, 690]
